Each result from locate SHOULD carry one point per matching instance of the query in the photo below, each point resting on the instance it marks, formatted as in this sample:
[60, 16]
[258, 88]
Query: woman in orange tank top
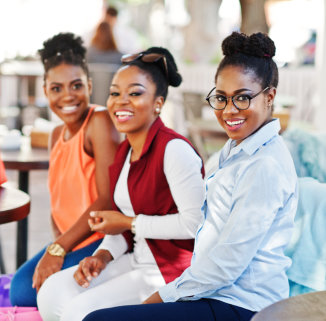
[81, 150]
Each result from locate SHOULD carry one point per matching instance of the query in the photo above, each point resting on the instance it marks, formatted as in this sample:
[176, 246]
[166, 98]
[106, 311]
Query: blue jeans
[204, 309]
[21, 291]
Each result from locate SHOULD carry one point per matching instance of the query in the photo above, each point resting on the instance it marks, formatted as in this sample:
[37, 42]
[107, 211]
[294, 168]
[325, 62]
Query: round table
[24, 160]
[14, 206]
[304, 307]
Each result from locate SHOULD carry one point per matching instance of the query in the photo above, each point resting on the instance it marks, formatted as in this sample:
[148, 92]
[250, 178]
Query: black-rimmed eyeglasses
[146, 57]
[240, 101]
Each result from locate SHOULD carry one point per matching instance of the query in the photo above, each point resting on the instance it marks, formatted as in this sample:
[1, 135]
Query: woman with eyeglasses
[238, 266]
[157, 191]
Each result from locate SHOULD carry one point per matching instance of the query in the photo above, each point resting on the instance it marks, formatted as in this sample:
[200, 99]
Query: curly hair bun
[174, 78]
[62, 43]
[257, 44]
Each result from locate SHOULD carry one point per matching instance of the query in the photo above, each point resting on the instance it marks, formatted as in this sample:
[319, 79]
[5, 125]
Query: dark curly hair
[157, 71]
[254, 53]
[63, 48]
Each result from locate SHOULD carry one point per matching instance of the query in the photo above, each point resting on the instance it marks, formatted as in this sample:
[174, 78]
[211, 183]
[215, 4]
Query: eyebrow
[238, 91]
[59, 83]
[130, 85]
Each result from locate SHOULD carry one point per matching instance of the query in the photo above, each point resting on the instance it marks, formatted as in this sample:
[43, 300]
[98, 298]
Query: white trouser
[122, 282]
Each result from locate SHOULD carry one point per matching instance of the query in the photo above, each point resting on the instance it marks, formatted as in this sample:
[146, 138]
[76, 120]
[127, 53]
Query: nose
[120, 100]
[230, 108]
[67, 94]
[123, 98]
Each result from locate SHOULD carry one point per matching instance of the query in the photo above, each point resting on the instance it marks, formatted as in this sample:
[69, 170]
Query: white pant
[122, 282]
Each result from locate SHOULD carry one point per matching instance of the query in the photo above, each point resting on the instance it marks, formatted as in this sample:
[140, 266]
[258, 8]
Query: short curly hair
[63, 48]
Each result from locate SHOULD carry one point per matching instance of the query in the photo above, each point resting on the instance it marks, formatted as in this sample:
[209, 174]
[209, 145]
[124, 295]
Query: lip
[234, 123]
[123, 115]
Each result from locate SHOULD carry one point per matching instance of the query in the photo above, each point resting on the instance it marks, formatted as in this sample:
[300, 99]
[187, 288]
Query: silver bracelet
[133, 225]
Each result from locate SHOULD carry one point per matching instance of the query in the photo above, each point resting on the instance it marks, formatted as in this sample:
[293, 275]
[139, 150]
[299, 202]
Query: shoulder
[271, 169]
[179, 146]
[100, 124]
[100, 117]
[179, 151]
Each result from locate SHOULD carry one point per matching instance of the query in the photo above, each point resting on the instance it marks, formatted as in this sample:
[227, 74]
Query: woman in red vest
[157, 191]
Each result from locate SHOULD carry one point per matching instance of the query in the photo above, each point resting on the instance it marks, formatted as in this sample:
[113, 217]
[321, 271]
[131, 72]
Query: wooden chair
[200, 129]
[304, 307]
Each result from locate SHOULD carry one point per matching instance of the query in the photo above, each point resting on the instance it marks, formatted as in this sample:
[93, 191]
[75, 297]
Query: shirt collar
[157, 124]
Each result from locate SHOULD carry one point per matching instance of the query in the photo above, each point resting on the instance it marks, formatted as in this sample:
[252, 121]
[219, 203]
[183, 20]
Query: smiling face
[68, 89]
[239, 124]
[132, 103]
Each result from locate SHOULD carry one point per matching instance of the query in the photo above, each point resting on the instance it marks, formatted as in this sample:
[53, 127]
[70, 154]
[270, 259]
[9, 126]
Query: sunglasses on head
[146, 57]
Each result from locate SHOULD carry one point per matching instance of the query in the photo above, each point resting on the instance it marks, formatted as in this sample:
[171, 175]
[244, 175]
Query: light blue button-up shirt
[251, 200]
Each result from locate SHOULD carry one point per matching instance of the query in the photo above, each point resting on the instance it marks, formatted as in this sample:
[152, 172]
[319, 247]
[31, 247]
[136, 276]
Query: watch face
[56, 250]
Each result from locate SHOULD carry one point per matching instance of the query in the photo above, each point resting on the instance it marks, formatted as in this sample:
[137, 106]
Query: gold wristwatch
[56, 249]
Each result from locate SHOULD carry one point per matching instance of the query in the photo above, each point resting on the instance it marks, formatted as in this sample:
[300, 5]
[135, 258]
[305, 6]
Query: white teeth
[123, 113]
[69, 108]
[233, 123]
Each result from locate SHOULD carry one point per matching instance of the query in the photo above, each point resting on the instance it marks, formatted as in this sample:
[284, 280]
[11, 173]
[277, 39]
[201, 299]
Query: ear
[159, 102]
[270, 96]
[90, 85]
[44, 90]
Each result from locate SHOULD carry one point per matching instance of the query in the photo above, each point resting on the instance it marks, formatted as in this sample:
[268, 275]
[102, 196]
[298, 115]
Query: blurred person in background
[126, 38]
[103, 48]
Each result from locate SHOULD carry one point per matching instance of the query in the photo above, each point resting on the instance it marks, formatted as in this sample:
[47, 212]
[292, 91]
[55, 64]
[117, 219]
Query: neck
[137, 141]
[73, 128]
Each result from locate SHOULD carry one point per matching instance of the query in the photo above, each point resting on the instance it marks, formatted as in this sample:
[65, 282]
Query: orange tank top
[72, 181]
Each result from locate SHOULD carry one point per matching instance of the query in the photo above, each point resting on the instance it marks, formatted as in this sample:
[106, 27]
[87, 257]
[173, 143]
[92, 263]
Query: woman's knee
[56, 292]
[21, 291]
[50, 299]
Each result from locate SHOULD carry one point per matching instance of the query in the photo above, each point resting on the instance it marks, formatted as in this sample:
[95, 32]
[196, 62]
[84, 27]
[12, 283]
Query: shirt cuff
[115, 244]
[168, 293]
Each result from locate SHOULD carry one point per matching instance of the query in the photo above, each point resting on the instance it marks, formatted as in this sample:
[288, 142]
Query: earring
[158, 110]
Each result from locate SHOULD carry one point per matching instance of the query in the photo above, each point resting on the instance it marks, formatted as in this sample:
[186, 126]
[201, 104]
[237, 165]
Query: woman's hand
[109, 222]
[90, 267]
[154, 298]
[46, 266]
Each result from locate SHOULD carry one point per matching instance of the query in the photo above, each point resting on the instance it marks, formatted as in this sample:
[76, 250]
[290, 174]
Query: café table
[14, 206]
[304, 307]
[24, 160]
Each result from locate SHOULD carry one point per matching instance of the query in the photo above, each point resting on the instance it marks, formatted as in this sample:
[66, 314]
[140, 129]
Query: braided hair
[157, 72]
[63, 48]
[253, 53]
